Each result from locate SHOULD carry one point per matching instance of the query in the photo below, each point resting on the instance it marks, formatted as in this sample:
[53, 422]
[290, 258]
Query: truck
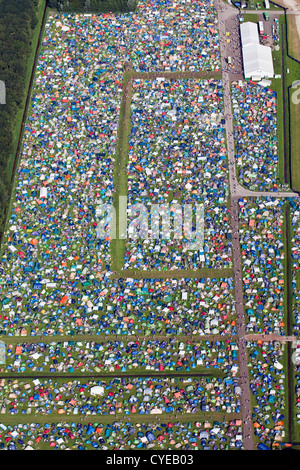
[266, 15]
[267, 4]
[261, 27]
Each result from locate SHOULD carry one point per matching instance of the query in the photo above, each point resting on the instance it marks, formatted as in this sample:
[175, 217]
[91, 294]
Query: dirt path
[225, 12]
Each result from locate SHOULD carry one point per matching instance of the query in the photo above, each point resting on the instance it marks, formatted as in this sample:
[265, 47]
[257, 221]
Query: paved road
[224, 13]
[271, 337]
[228, 15]
[272, 12]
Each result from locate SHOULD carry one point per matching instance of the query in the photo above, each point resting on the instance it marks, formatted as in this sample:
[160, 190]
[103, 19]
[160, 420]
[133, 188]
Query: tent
[97, 390]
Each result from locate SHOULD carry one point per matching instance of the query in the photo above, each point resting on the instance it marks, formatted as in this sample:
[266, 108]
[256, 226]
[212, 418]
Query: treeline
[18, 19]
[92, 6]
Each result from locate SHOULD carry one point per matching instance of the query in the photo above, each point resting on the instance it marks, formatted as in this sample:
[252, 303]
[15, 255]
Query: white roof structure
[43, 192]
[257, 59]
[249, 33]
[97, 390]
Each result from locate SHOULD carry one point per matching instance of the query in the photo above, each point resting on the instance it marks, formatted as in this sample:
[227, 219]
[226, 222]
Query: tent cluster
[295, 253]
[153, 395]
[159, 36]
[53, 268]
[255, 133]
[163, 35]
[122, 307]
[171, 306]
[121, 356]
[267, 378]
[177, 141]
[123, 435]
[177, 156]
[51, 251]
[262, 250]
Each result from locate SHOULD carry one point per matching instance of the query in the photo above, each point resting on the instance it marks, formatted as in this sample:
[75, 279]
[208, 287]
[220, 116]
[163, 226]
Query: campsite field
[121, 106]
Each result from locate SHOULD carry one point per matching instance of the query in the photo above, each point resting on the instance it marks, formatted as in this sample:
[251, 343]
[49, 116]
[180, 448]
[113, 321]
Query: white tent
[249, 33]
[257, 59]
[97, 390]
[43, 192]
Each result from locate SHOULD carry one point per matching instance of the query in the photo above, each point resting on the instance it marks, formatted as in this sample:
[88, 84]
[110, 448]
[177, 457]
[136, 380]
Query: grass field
[253, 17]
[277, 86]
[117, 253]
[120, 174]
[291, 74]
[260, 5]
[294, 75]
[293, 37]
[181, 273]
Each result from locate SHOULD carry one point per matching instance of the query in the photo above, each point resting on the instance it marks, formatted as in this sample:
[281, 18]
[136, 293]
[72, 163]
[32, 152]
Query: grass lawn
[291, 74]
[295, 148]
[253, 17]
[131, 370]
[179, 273]
[293, 37]
[277, 86]
[103, 419]
[120, 173]
[294, 75]
[288, 319]
[260, 5]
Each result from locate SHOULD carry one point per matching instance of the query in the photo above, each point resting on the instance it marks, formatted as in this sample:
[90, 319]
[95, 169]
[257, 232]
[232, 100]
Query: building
[257, 59]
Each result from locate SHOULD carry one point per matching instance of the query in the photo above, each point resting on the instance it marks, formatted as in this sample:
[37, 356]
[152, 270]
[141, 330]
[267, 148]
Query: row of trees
[92, 6]
[18, 19]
